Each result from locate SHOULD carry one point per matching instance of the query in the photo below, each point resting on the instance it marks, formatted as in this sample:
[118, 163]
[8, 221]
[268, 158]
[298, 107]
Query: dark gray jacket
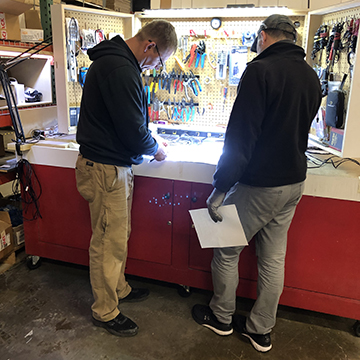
[265, 142]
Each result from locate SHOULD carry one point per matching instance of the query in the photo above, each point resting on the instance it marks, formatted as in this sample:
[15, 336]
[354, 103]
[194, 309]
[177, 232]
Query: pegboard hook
[192, 33]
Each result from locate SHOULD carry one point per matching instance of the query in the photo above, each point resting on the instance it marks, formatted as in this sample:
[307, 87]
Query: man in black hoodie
[113, 135]
[262, 171]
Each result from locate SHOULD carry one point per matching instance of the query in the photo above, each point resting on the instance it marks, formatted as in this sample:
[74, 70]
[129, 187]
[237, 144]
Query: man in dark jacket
[113, 135]
[262, 171]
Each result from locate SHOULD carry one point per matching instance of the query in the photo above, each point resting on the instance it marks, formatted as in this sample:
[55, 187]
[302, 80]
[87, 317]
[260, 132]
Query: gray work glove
[213, 202]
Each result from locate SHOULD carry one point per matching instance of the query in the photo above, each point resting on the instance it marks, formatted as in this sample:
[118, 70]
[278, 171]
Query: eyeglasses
[157, 49]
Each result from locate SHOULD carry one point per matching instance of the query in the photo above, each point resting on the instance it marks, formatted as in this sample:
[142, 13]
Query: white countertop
[188, 163]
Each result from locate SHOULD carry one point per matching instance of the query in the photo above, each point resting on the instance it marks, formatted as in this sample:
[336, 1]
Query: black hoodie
[113, 122]
[266, 138]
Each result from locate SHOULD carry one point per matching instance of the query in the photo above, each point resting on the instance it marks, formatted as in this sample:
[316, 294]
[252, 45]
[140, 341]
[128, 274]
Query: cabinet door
[253, 2]
[323, 247]
[200, 259]
[294, 4]
[209, 4]
[319, 4]
[151, 222]
[268, 2]
[65, 216]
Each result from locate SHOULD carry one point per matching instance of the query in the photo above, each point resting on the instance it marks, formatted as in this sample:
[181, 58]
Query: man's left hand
[213, 202]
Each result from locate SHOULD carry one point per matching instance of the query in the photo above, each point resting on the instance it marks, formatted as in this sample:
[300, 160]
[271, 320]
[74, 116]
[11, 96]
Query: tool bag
[335, 105]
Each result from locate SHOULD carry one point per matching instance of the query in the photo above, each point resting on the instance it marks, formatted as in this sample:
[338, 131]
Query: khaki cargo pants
[109, 191]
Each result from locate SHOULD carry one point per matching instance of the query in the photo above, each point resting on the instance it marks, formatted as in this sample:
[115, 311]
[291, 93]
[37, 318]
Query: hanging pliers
[194, 82]
[147, 89]
[192, 54]
[200, 54]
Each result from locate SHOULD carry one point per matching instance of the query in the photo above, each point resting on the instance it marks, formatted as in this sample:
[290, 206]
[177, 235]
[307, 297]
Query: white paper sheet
[228, 232]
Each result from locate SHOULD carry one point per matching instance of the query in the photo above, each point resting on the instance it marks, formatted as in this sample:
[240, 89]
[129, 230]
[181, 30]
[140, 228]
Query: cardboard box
[15, 7]
[19, 236]
[9, 27]
[165, 4]
[6, 235]
[96, 2]
[123, 6]
[32, 19]
[32, 35]
[6, 136]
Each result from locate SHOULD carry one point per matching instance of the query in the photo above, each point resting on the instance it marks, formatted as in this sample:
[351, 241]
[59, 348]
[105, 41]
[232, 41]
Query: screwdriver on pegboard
[225, 94]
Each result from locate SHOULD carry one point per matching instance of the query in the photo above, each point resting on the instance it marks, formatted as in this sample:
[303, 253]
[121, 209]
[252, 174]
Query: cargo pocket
[113, 178]
[84, 173]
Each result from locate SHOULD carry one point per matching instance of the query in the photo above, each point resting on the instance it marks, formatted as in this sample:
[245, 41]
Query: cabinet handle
[193, 226]
[167, 195]
[169, 222]
[194, 199]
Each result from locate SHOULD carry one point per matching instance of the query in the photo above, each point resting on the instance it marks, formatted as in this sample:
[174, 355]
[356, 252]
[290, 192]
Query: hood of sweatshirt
[114, 47]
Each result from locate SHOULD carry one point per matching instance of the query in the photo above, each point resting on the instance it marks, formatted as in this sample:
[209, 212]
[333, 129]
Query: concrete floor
[45, 314]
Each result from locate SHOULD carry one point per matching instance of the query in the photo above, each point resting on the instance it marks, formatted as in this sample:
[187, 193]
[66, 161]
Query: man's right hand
[160, 154]
[213, 202]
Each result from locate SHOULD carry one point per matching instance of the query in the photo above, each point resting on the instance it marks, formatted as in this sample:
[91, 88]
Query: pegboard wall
[213, 108]
[341, 65]
[107, 23]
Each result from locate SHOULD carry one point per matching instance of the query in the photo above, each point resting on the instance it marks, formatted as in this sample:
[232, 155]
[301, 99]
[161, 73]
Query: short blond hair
[162, 32]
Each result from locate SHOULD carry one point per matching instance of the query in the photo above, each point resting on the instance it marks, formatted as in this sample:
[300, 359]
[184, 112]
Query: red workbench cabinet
[321, 263]
[150, 239]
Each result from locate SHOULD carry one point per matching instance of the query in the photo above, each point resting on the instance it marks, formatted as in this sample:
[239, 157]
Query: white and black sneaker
[260, 343]
[204, 316]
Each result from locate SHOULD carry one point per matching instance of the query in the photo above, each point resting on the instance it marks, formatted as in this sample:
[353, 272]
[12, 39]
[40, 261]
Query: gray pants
[265, 213]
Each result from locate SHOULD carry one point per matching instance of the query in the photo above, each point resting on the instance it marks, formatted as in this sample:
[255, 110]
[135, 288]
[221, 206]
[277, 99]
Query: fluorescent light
[14, 54]
[221, 12]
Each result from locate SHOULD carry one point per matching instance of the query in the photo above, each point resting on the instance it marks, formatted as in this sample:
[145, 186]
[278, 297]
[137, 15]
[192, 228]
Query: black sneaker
[120, 326]
[136, 295]
[204, 316]
[260, 343]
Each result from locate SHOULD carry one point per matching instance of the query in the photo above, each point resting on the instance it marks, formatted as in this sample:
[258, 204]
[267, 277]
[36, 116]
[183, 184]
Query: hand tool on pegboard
[225, 90]
[192, 54]
[200, 54]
